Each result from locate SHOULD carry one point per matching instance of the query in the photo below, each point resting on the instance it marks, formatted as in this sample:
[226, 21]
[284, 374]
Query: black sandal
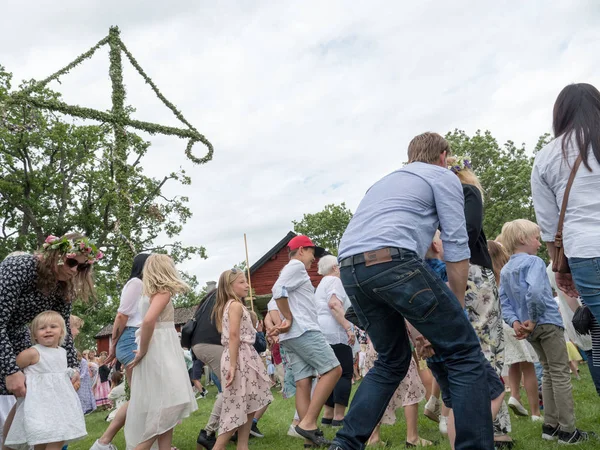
[316, 436]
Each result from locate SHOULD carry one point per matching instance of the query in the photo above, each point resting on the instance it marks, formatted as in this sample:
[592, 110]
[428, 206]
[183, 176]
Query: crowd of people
[418, 299]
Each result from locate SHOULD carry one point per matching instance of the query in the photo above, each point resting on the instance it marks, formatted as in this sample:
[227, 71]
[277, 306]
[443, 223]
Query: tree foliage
[326, 227]
[504, 172]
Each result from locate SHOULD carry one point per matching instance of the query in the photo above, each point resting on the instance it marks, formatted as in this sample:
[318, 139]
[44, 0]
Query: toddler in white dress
[50, 414]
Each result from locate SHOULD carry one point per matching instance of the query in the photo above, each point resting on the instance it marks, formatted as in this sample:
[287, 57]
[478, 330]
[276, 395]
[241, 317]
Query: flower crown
[73, 247]
[460, 163]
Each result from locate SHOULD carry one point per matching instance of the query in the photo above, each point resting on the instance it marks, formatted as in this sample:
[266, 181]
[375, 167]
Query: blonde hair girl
[48, 387]
[499, 258]
[158, 366]
[247, 385]
[225, 292]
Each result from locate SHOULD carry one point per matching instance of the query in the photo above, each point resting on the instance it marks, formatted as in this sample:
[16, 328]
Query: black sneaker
[575, 437]
[549, 433]
[206, 440]
[254, 431]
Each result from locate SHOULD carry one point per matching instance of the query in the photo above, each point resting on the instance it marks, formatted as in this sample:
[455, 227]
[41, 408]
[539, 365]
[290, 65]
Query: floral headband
[461, 163]
[73, 247]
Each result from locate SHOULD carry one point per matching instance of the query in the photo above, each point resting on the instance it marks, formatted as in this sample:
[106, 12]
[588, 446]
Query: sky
[307, 103]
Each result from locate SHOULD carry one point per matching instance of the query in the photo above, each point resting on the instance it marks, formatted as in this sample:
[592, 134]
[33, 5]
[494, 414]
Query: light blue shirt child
[525, 292]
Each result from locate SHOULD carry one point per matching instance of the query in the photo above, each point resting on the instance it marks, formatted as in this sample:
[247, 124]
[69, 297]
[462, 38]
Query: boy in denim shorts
[301, 338]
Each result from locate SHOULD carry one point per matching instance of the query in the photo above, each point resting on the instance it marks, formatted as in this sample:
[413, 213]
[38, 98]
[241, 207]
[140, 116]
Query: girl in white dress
[50, 414]
[161, 394]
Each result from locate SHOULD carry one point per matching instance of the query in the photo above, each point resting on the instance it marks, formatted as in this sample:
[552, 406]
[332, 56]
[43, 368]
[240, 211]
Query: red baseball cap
[304, 241]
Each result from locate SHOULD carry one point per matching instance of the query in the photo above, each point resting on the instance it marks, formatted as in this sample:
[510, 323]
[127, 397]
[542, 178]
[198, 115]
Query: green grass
[275, 422]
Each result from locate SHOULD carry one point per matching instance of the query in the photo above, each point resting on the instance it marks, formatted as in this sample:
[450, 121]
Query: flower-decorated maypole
[119, 118]
[124, 211]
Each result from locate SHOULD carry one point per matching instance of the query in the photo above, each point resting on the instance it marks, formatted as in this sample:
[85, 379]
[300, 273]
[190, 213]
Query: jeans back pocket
[409, 294]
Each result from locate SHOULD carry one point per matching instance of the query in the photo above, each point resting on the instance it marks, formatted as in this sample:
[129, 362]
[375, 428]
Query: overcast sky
[308, 103]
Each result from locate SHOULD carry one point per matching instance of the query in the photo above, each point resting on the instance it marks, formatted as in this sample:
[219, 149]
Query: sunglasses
[71, 262]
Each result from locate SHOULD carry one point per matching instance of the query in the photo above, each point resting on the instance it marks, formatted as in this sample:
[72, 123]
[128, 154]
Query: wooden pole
[248, 268]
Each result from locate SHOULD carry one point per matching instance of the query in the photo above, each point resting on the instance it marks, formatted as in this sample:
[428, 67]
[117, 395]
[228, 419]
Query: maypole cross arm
[120, 118]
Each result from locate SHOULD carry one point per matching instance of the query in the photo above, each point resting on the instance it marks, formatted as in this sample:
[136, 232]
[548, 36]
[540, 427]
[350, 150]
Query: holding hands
[523, 330]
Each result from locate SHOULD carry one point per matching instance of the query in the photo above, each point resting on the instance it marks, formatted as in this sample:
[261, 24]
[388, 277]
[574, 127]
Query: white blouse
[130, 299]
[333, 331]
[581, 232]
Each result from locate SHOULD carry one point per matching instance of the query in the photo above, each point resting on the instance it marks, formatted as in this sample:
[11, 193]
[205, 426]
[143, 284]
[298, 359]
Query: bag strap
[563, 209]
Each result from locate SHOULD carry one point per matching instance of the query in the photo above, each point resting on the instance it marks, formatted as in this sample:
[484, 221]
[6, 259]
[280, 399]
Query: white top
[328, 287]
[130, 299]
[582, 219]
[294, 283]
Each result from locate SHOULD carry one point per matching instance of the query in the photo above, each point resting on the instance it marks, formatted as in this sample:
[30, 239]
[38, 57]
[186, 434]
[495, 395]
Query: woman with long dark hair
[122, 346]
[576, 124]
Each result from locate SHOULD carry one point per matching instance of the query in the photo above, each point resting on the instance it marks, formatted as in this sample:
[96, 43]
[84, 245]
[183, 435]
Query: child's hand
[284, 327]
[528, 326]
[423, 347]
[229, 377]
[518, 327]
[76, 381]
[138, 357]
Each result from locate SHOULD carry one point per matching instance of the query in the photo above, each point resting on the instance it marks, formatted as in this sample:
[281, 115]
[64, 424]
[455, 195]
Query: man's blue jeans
[385, 294]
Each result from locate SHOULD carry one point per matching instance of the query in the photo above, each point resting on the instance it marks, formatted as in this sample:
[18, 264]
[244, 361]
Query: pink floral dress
[251, 388]
[409, 392]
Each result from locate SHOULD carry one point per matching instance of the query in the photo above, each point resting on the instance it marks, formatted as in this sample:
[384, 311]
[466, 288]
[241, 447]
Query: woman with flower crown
[30, 284]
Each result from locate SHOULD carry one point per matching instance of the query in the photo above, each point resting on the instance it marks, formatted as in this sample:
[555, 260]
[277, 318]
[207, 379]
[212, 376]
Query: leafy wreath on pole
[118, 117]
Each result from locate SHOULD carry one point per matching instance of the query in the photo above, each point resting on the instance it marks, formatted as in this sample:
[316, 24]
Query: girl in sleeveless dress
[161, 394]
[247, 386]
[50, 413]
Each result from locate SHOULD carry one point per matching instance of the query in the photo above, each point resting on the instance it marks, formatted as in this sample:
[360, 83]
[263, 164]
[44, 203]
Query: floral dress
[251, 387]
[20, 302]
[409, 392]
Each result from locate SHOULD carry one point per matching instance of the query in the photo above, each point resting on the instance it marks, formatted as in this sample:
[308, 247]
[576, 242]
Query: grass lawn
[275, 422]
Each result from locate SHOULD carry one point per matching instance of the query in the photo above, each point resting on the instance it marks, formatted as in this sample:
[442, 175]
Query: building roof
[267, 256]
[182, 315]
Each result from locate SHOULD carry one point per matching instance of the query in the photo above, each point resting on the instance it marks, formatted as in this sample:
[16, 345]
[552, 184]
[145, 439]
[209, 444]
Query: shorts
[197, 370]
[126, 345]
[309, 355]
[440, 372]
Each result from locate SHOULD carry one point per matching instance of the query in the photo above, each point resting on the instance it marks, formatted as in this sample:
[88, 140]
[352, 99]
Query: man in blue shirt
[382, 268]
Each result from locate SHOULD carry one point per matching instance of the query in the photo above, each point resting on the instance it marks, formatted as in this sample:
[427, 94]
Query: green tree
[58, 176]
[504, 172]
[326, 227]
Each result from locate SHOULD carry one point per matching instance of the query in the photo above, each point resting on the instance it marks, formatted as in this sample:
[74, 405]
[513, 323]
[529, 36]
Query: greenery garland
[119, 118]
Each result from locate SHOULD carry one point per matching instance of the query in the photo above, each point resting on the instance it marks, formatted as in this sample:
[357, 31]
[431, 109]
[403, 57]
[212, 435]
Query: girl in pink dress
[247, 386]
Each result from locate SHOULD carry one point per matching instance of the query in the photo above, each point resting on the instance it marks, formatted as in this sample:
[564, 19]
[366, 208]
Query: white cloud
[300, 97]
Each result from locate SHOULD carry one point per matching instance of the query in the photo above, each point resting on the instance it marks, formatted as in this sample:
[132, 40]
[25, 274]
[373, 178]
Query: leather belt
[371, 258]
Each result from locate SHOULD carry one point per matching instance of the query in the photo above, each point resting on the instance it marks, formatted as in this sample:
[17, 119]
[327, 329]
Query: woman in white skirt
[161, 393]
[519, 355]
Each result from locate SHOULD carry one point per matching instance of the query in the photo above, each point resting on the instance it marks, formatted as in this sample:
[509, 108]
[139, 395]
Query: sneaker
[335, 447]
[443, 425]
[537, 418]
[549, 433]
[575, 437]
[516, 406]
[200, 396]
[292, 432]
[254, 431]
[433, 409]
[98, 446]
[206, 440]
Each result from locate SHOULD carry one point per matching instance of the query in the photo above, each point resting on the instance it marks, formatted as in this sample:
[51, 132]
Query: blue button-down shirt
[525, 292]
[405, 208]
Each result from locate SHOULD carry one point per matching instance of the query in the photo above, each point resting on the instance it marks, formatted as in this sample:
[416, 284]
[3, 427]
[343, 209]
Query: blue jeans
[594, 371]
[586, 275]
[385, 294]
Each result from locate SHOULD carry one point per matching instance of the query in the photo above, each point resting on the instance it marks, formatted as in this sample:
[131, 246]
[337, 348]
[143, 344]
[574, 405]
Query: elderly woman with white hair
[332, 303]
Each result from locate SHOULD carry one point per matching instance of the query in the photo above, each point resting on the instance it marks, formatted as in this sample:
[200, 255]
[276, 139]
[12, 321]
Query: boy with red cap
[301, 338]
